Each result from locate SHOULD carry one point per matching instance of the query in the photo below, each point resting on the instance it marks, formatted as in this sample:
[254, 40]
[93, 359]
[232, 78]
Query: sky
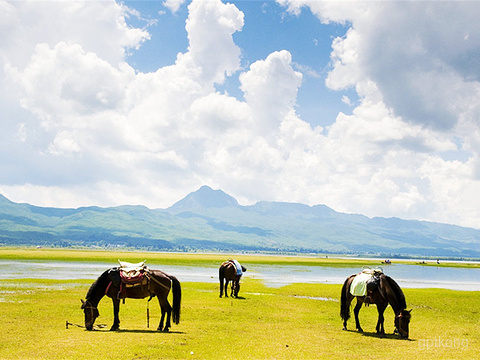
[367, 107]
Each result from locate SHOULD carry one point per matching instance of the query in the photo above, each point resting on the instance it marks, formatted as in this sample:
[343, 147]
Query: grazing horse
[229, 271]
[157, 284]
[385, 292]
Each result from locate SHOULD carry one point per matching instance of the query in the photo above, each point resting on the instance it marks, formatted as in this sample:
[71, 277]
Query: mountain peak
[205, 197]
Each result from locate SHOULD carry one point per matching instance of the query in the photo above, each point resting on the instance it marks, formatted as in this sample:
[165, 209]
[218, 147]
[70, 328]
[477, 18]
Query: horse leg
[237, 287]
[116, 310]
[381, 319]
[356, 310]
[346, 316]
[226, 287]
[162, 318]
[166, 310]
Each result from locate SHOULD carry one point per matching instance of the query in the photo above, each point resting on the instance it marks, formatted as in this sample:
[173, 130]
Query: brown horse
[228, 272]
[156, 283]
[385, 292]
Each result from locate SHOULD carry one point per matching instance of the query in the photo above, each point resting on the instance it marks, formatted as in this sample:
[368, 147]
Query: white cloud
[85, 128]
[173, 5]
[270, 88]
[412, 65]
[28, 23]
[64, 81]
[346, 100]
[210, 26]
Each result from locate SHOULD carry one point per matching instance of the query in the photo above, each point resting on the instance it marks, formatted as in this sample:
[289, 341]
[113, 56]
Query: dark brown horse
[228, 272]
[156, 283]
[385, 292]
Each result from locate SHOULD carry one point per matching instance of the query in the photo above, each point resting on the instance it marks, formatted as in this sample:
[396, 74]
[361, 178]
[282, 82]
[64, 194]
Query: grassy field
[292, 322]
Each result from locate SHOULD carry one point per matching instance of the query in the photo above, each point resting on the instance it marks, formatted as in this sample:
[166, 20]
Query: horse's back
[229, 270]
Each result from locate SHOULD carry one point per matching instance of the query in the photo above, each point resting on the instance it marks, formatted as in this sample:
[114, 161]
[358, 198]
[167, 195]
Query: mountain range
[211, 220]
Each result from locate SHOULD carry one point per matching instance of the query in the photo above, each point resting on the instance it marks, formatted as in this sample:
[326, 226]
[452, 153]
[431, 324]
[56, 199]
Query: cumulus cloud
[84, 103]
[83, 127]
[270, 88]
[411, 65]
[210, 28]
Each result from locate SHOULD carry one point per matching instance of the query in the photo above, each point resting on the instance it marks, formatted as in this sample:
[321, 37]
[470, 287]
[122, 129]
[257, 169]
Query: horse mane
[396, 291]
[100, 284]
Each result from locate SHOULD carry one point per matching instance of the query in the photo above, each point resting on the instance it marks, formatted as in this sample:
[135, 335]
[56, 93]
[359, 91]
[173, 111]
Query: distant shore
[190, 258]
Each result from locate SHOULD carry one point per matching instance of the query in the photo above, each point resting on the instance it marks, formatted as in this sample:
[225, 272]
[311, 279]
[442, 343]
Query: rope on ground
[99, 326]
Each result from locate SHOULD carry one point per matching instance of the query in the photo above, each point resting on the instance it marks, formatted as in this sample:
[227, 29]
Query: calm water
[407, 276]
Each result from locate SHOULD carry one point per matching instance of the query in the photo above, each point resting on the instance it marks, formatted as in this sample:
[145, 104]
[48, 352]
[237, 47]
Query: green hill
[212, 220]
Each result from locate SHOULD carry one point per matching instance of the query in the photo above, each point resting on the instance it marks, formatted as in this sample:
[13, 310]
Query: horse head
[402, 321]
[91, 313]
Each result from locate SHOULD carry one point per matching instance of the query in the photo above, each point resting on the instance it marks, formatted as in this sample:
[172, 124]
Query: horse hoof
[114, 328]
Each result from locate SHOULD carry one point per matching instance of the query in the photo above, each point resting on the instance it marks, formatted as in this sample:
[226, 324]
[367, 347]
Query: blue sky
[367, 107]
[268, 28]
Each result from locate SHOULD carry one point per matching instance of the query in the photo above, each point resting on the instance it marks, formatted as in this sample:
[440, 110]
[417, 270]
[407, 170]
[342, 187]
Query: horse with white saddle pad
[374, 287]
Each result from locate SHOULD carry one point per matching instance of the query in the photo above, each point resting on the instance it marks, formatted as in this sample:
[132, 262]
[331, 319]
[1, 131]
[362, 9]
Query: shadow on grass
[139, 331]
[384, 336]
[380, 336]
[235, 298]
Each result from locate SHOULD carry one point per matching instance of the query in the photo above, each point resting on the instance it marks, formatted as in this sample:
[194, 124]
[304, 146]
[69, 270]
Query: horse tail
[221, 272]
[177, 299]
[221, 277]
[344, 305]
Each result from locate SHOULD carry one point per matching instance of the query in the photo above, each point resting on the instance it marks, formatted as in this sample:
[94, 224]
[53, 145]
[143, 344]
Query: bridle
[88, 305]
[400, 318]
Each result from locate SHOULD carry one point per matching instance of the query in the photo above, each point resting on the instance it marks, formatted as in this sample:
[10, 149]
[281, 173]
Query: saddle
[133, 274]
[366, 283]
[373, 284]
[237, 265]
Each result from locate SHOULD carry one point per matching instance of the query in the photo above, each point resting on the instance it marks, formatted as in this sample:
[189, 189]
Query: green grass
[299, 321]
[290, 322]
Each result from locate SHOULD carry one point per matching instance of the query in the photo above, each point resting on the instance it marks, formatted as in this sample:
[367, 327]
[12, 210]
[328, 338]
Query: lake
[407, 276]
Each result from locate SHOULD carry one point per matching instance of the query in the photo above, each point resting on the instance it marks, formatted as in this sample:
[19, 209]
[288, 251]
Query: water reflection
[407, 276]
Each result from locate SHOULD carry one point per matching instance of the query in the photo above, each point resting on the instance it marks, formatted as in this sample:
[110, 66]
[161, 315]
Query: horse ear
[83, 302]
[409, 311]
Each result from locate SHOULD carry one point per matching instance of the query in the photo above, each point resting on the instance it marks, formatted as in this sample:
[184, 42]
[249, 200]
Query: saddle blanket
[238, 267]
[132, 273]
[359, 283]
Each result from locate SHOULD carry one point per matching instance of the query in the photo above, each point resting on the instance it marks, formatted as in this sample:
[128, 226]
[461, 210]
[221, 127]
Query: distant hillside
[213, 220]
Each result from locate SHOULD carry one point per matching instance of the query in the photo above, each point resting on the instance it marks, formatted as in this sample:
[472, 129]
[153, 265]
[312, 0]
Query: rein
[99, 326]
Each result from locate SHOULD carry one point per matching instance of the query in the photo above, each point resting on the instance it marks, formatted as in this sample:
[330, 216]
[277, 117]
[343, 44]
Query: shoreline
[94, 255]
